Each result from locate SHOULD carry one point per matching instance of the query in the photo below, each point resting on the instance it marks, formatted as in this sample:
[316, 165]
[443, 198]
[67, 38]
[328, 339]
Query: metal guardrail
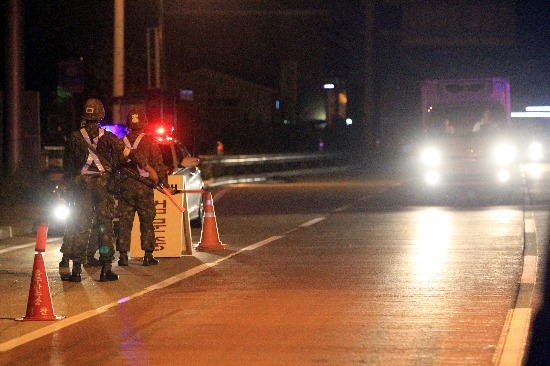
[213, 166]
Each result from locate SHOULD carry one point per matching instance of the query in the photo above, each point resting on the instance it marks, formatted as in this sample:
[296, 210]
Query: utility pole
[153, 58]
[118, 59]
[14, 73]
[162, 72]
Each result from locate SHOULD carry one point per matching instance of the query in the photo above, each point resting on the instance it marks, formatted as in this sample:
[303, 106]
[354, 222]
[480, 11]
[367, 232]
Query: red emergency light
[161, 133]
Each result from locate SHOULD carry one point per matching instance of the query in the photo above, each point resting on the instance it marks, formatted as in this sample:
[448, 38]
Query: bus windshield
[459, 119]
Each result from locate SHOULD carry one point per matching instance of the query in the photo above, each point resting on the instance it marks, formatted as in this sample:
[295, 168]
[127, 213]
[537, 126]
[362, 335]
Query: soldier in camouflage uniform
[135, 197]
[90, 154]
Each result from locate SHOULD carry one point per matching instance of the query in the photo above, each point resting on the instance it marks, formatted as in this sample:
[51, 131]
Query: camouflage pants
[68, 238]
[92, 202]
[136, 197]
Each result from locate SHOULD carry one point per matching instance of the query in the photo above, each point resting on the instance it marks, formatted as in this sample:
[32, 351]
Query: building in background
[383, 49]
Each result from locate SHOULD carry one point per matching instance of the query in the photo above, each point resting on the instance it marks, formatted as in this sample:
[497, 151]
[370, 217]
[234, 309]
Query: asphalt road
[352, 270]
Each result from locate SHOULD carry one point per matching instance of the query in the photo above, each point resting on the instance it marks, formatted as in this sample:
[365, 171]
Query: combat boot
[64, 262]
[149, 260]
[91, 261]
[123, 259]
[107, 274]
[75, 274]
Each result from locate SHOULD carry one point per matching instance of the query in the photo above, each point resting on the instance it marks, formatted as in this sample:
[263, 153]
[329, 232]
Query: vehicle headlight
[503, 175]
[61, 212]
[505, 153]
[535, 151]
[430, 156]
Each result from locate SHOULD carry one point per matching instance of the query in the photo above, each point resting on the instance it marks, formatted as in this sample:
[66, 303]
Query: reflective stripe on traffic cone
[39, 305]
[210, 239]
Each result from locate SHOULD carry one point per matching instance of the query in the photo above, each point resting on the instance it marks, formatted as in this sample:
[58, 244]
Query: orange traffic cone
[210, 240]
[39, 305]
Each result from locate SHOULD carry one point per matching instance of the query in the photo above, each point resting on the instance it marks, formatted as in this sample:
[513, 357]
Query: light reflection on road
[431, 244]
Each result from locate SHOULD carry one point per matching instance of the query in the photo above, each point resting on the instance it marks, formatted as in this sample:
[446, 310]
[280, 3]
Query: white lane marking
[514, 344]
[530, 227]
[312, 222]
[22, 246]
[6, 346]
[529, 274]
[262, 243]
[515, 332]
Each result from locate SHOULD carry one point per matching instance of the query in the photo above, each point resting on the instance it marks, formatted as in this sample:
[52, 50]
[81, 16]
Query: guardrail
[213, 166]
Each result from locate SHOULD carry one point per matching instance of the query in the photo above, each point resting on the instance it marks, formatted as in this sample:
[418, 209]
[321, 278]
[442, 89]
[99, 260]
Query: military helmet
[93, 110]
[136, 119]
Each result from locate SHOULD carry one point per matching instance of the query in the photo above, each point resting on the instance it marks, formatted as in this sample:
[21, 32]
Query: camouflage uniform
[88, 177]
[68, 240]
[137, 197]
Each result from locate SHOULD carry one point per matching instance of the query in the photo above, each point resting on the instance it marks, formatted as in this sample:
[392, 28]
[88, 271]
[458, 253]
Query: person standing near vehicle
[135, 197]
[90, 153]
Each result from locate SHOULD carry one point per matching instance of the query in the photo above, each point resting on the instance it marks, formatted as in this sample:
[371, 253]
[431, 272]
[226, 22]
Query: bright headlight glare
[535, 170]
[430, 157]
[535, 151]
[503, 176]
[432, 177]
[505, 154]
[61, 212]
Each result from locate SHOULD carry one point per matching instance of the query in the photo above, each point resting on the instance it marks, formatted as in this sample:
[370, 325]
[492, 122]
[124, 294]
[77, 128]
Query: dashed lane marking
[312, 222]
[16, 342]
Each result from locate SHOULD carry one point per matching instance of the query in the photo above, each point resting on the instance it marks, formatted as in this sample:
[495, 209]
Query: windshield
[461, 119]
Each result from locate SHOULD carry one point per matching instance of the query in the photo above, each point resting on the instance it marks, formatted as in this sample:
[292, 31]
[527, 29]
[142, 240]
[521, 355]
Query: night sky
[72, 29]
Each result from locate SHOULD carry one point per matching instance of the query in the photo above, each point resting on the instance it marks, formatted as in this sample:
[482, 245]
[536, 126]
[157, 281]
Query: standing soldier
[135, 197]
[90, 153]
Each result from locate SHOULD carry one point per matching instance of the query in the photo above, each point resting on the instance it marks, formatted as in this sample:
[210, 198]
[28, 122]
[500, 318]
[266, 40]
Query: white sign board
[168, 225]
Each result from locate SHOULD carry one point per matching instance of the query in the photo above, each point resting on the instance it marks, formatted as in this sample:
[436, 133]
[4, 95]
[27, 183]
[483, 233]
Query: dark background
[327, 45]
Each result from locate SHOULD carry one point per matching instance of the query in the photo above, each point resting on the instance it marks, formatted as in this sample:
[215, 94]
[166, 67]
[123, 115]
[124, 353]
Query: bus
[467, 132]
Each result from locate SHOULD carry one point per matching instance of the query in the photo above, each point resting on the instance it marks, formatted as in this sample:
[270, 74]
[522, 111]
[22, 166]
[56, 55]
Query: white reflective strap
[91, 156]
[142, 172]
[209, 214]
[127, 142]
[138, 140]
[136, 143]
